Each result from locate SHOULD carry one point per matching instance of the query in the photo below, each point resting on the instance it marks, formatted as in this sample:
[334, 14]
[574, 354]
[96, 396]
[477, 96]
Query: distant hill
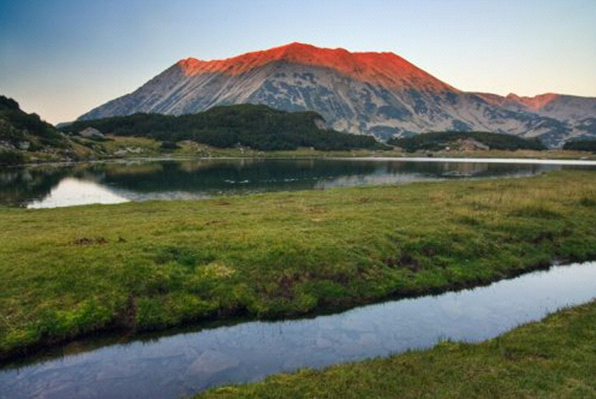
[374, 93]
[21, 132]
[472, 140]
[581, 145]
[255, 126]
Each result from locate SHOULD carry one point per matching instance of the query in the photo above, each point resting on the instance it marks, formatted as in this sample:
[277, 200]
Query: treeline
[581, 145]
[438, 141]
[255, 126]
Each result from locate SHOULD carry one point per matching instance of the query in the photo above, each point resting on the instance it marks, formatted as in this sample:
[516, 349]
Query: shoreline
[475, 158]
[139, 148]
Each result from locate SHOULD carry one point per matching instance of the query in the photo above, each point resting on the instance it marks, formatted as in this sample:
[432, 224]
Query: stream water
[183, 364]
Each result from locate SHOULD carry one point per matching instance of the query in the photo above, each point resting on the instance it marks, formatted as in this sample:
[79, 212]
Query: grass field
[118, 147]
[140, 266]
[554, 358]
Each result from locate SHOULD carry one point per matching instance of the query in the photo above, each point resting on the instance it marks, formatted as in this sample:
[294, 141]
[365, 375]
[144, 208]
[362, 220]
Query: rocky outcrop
[92, 133]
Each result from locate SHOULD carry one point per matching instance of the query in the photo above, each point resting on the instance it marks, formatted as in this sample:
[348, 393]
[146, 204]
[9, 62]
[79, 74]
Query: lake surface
[107, 183]
[171, 367]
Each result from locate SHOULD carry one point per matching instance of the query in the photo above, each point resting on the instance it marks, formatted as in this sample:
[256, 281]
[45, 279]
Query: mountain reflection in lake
[114, 182]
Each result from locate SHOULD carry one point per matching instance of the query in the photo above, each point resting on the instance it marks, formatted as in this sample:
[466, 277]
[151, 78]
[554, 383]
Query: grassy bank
[139, 266]
[115, 147]
[191, 149]
[555, 358]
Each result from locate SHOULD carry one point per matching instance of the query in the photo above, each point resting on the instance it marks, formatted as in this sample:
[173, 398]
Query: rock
[134, 150]
[117, 372]
[24, 145]
[91, 133]
[211, 362]
[470, 144]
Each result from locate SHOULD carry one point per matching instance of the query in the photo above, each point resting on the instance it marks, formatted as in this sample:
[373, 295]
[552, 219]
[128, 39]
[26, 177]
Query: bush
[581, 145]
[438, 141]
[168, 146]
[8, 103]
[8, 157]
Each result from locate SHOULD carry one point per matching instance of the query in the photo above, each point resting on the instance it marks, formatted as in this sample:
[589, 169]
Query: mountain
[363, 93]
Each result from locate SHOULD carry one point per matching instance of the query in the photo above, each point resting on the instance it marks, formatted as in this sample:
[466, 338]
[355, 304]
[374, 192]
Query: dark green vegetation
[581, 145]
[239, 131]
[20, 132]
[255, 126]
[25, 138]
[11, 157]
[555, 358]
[139, 266]
[439, 141]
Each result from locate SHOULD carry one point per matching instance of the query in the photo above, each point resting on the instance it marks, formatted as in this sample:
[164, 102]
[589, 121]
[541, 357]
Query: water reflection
[71, 191]
[197, 179]
[183, 364]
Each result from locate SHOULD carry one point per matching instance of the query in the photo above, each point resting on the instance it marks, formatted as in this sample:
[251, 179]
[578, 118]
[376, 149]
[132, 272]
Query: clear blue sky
[60, 58]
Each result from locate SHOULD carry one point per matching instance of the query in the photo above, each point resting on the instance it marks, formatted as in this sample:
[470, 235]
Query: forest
[437, 141]
[255, 126]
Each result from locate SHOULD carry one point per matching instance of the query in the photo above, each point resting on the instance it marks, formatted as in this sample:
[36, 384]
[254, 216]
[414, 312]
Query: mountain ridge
[362, 92]
[363, 66]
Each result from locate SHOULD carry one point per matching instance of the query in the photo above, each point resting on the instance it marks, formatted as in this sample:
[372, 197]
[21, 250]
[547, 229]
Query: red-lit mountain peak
[536, 103]
[376, 93]
[384, 69]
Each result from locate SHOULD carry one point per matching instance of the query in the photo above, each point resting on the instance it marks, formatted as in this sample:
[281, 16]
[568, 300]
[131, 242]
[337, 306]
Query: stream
[187, 363]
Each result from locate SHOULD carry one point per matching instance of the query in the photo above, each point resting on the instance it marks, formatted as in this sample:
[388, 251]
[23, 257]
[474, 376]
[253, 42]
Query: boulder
[91, 133]
[24, 145]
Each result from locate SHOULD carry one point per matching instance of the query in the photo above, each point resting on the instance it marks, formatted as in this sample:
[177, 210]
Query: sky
[61, 58]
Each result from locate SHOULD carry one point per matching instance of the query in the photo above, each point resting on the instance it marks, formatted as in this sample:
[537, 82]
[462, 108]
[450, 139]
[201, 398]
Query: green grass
[528, 154]
[554, 358]
[191, 149]
[150, 148]
[141, 266]
[117, 147]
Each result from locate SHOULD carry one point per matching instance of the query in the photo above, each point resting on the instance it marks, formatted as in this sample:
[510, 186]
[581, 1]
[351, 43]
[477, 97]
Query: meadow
[123, 269]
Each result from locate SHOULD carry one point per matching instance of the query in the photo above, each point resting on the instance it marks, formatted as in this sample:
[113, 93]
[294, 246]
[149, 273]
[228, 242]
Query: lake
[113, 182]
[175, 366]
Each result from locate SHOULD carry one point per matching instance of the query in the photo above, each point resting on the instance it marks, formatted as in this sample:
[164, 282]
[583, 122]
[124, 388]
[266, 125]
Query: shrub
[8, 157]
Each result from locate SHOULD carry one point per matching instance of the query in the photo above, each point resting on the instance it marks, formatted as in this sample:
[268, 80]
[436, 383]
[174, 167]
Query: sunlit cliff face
[381, 69]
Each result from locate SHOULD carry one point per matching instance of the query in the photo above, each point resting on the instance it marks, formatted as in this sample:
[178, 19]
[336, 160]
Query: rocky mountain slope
[364, 93]
[26, 133]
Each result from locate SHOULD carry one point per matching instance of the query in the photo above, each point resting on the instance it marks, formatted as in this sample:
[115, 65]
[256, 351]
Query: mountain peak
[537, 102]
[383, 69]
[377, 93]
